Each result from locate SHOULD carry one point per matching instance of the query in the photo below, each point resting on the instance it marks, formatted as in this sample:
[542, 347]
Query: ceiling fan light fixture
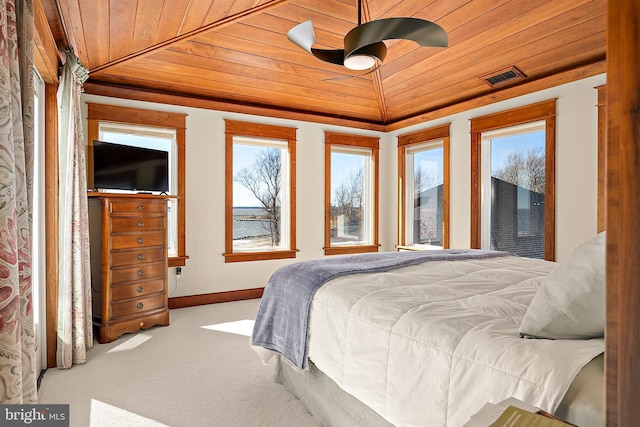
[366, 57]
[360, 62]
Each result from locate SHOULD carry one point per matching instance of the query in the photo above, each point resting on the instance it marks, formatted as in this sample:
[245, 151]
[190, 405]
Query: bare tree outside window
[347, 202]
[424, 180]
[524, 168]
[263, 180]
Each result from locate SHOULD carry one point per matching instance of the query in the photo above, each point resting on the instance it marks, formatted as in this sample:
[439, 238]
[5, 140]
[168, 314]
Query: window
[423, 202]
[150, 129]
[351, 194]
[514, 173]
[602, 155]
[158, 139]
[38, 249]
[260, 192]
[513, 181]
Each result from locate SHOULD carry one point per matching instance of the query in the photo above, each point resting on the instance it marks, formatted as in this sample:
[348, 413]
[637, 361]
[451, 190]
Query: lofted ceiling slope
[234, 54]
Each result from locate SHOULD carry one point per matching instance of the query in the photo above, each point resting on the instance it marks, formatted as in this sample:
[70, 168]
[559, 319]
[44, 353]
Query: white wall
[206, 271]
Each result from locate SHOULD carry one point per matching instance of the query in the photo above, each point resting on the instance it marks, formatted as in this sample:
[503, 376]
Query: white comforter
[428, 345]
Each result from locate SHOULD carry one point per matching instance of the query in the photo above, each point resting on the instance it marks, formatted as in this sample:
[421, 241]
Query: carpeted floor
[199, 371]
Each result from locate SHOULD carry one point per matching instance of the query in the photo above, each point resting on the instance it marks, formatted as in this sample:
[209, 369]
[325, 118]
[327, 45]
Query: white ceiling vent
[500, 77]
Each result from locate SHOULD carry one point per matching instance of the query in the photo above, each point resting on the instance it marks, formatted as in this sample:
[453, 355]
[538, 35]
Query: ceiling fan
[364, 46]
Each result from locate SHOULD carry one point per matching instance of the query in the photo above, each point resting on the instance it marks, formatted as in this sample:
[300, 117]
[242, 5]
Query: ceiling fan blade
[303, 35]
[334, 56]
[425, 33]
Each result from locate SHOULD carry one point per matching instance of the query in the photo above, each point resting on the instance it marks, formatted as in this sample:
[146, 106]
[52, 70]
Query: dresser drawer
[136, 290]
[137, 224]
[131, 274]
[138, 206]
[128, 241]
[137, 306]
[129, 257]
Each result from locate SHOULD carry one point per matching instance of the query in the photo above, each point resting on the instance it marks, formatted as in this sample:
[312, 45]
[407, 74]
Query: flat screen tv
[123, 167]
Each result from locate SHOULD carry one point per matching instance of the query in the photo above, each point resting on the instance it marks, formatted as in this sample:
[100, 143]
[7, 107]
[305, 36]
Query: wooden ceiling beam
[376, 77]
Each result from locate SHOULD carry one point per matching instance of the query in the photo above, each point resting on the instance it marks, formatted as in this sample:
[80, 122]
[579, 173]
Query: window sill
[259, 256]
[345, 250]
[418, 247]
[178, 261]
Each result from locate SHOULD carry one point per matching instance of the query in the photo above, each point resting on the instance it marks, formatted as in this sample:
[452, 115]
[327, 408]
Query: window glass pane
[424, 197]
[155, 140]
[518, 193]
[350, 197]
[260, 178]
[172, 221]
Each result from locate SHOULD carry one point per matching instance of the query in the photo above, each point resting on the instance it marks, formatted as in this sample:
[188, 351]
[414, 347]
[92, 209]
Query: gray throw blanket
[282, 321]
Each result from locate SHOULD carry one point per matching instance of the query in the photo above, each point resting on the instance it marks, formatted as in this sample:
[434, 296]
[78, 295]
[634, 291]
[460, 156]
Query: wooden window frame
[541, 111]
[359, 141]
[256, 130]
[98, 113]
[439, 133]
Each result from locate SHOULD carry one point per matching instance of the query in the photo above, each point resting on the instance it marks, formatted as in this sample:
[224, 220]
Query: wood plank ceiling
[235, 56]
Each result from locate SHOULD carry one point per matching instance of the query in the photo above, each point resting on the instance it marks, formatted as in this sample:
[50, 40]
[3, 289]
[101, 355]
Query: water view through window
[249, 222]
[258, 192]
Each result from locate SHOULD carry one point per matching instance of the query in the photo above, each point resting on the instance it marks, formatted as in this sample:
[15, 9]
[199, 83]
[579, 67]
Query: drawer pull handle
[140, 273]
[140, 207]
[140, 223]
[140, 305]
[140, 257]
[140, 289]
[140, 240]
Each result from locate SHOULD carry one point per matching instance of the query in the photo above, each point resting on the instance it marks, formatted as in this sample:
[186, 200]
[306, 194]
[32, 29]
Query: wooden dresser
[128, 263]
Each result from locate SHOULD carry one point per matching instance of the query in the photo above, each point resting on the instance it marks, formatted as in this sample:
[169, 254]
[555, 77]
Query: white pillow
[570, 303]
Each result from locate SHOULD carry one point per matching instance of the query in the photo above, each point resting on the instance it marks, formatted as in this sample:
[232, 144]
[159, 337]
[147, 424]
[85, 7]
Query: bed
[426, 338]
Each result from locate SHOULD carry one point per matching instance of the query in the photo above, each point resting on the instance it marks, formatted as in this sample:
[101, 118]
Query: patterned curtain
[17, 341]
[75, 333]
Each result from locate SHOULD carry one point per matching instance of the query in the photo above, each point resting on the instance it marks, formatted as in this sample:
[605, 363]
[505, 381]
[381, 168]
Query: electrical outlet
[178, 271]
